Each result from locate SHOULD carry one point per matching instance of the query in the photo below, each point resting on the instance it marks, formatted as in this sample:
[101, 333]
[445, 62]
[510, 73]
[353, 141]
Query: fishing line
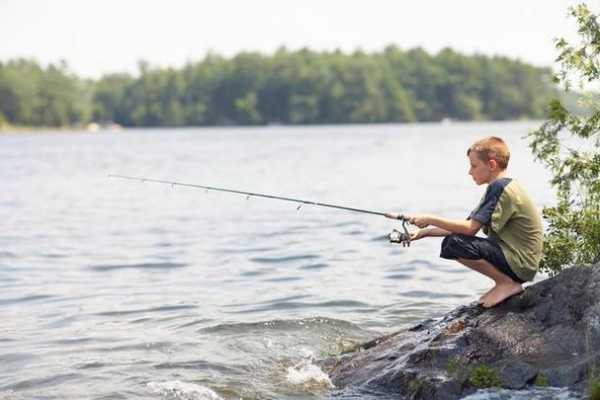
[395, 236]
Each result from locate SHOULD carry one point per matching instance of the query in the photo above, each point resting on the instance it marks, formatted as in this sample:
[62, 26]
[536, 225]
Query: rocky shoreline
[547, 336]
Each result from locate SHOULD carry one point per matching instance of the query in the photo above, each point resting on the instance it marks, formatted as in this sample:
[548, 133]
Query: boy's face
[480, 170]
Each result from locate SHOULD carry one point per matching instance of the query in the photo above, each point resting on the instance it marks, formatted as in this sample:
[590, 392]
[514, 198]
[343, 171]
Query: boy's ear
[493, 164]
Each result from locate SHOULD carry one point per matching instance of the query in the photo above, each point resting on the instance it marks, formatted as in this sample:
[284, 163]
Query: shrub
[452, 366]
[483, 376]
[540, 380]
[569, 146]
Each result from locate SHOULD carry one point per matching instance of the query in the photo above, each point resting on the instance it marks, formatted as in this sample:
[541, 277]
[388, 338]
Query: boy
[511, 253]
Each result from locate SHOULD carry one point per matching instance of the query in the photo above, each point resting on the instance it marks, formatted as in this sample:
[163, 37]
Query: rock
[516, 375]
[549, 334]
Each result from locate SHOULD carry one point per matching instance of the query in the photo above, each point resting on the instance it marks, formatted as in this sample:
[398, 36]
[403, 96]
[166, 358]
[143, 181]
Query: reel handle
[401, 237]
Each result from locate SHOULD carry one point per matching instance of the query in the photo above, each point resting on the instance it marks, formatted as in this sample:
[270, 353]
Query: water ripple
[291, 305]
[270, 260]
[226, 250]
[353, 232]
[91, 365]
[256, 272]
[197, 365]
[343, 224]
[62, 322]
[284, 279]
[314, 266]
[142, 266]
[281, 233]
[195, 322]
[145, 310]
[53, 255]
[404, 268]
[81, 340]
[24, 299]
[401, 277]
[425, 294]
[281, 299]
[163, 244]
[17, 360]
[143, 346]
[423, 263]
[37, 383]
[281, 325]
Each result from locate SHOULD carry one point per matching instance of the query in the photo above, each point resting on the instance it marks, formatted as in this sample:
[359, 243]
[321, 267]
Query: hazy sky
[97, 37]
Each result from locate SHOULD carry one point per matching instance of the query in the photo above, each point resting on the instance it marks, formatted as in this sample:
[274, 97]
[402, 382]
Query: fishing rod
[395, 236]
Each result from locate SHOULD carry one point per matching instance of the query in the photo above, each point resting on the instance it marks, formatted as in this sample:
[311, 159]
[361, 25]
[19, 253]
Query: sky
[96, 37]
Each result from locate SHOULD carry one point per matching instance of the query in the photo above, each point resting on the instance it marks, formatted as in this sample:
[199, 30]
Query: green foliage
[453, 366]
[594, 384]
[480, 375]
[299, 87]
[108, 101]
[540, 380]
[483, 376]
[34, 96]
[569, 146]
[594, 389]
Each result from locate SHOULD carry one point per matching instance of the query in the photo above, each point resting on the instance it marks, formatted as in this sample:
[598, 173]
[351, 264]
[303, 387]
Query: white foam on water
[9, 395]
[306, 353]
[183, 391]
[308, 374]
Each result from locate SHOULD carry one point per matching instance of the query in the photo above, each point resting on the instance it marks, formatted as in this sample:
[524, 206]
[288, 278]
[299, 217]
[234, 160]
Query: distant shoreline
[15, 130]
[11, 129]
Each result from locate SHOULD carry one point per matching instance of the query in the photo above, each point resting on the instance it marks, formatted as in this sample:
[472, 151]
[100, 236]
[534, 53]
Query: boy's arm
[443, 226]
[468, 227]
[428, 232]
[434, 231]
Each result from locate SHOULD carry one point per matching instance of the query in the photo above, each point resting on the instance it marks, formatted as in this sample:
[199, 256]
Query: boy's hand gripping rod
[395, 236]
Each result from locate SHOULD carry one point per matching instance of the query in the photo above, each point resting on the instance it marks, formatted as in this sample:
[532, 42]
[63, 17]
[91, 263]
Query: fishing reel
[400, 237]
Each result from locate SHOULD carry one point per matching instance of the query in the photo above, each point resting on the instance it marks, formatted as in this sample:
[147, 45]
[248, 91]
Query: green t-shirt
[510, 218]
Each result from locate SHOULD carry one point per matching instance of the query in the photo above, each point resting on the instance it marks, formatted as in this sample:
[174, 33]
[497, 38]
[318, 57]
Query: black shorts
[474, 248]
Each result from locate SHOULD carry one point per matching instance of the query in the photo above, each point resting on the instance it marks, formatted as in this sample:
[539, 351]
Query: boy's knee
[451, 241]
[454, 246]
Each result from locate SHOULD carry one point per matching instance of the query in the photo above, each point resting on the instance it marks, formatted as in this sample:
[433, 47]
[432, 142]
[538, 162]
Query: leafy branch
[569, 146]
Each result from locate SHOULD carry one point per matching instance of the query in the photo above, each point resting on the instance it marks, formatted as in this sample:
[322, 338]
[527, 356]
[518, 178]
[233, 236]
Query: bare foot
[501, 292]
[483, 296]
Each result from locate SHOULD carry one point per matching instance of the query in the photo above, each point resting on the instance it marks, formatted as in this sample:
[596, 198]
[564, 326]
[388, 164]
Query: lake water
[111, 289]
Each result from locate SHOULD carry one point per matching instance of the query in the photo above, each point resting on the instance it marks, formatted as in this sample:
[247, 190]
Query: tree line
[286, 87]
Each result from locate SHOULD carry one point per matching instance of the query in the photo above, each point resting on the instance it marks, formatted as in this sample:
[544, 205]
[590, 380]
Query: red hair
[491, 148]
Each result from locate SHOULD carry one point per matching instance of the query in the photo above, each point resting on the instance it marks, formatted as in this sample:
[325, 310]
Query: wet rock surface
[549, 335]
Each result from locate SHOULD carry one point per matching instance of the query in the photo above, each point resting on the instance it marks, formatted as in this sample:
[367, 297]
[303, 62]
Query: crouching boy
[511, 253]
